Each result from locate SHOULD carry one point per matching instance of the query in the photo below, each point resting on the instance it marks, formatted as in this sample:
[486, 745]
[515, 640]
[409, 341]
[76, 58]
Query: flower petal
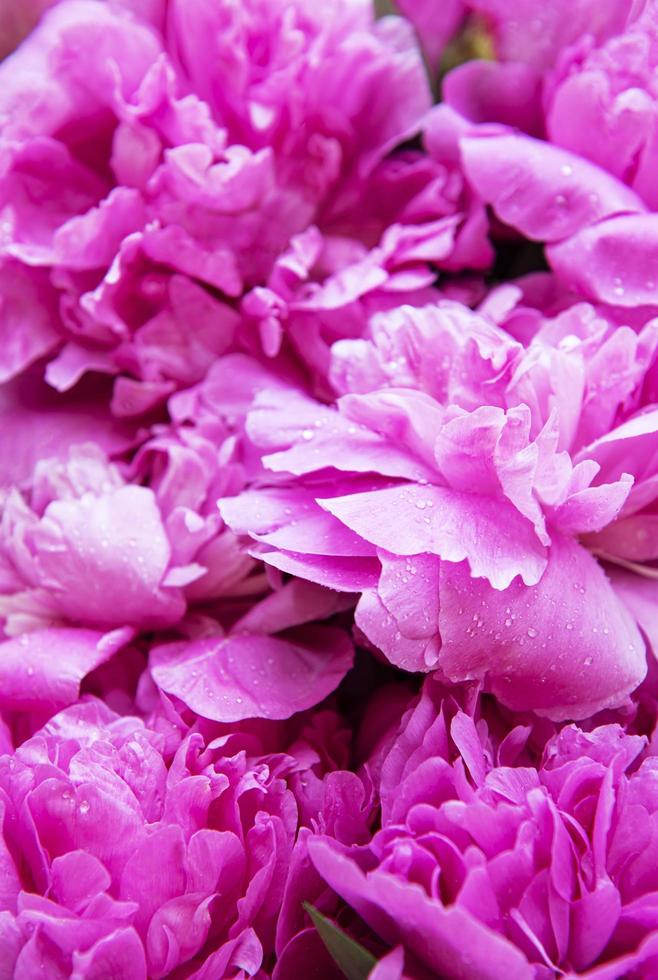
[565, 647]
[251, 676]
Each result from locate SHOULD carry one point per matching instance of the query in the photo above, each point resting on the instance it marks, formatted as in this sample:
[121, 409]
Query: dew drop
[532, 632]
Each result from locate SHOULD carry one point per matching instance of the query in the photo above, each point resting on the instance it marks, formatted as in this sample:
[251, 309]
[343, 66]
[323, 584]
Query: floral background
[328, 489]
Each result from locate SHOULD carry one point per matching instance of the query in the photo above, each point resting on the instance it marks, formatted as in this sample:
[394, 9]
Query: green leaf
[352, 959]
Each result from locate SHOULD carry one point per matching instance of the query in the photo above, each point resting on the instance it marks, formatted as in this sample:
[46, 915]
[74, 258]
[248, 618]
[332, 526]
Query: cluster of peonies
[328, 489]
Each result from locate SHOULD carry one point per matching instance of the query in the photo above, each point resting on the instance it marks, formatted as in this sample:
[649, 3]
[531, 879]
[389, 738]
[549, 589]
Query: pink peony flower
[148, 181]
[316, 398]
[150, 528]
[88, 548]
[587, 192]
[89, 560]
[122, 853]
[460, 481]
[486, 866]
[609, 90]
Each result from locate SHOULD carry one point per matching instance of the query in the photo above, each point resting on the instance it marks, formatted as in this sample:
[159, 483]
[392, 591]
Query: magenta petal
[594, 917]
[565, 647]
[38, 424]
[304, 949]
[345, 574]
[118, 955]
[629, 447]
[289, 518]
[487, 91]
[44, 669]
[409, 588]
[250, 676]
[29, 318]
[381, 628]
[448, 940]
[295, 603]
[11, 940]
[77, 878]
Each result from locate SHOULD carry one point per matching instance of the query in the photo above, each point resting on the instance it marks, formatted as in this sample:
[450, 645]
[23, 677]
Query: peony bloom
[489, 866]
[80, 531]
[154, 169]
[609, 90]
[92, 560]
[461, 480]
[127, 852]
[328, 489]
[88, 548]
[585, 188]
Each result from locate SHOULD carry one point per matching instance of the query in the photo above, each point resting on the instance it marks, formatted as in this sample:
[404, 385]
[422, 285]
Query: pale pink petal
[251, 676]
[85, 549]
[545, 192]
[613, 261]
